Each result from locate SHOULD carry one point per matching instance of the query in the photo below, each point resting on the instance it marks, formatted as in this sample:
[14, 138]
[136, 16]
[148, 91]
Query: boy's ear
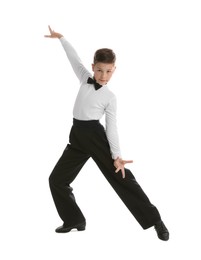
[92, 65]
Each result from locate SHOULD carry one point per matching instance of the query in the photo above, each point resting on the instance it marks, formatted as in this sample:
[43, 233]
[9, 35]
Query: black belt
[85, 123]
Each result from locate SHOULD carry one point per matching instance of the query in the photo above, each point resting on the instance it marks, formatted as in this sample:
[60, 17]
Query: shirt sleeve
[81, 72]
[111, 128]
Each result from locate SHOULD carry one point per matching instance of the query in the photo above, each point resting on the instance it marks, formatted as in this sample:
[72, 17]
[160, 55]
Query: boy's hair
[104, 55]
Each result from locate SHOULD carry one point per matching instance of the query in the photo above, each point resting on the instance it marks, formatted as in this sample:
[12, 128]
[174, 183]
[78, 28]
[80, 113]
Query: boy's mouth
[103, 81]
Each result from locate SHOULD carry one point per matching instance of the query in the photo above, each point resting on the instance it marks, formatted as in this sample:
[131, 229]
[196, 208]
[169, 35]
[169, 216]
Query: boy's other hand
[119, 164]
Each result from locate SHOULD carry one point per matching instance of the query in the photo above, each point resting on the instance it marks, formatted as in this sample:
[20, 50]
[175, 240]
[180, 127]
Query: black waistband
[87, 123]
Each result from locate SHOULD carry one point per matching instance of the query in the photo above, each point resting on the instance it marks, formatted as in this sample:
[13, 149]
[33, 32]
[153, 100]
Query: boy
[88, 138]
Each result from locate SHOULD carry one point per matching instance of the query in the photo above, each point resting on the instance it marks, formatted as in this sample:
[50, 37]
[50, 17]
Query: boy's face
[103, 72]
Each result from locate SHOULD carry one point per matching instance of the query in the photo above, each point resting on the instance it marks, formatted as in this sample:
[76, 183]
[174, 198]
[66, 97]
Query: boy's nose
[103, 75]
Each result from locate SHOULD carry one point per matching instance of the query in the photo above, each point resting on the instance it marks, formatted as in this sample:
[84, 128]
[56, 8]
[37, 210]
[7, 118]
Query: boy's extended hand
[119, 164]
[53, 34]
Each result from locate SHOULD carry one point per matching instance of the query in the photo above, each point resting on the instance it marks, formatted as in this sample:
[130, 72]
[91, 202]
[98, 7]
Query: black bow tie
[93, 81]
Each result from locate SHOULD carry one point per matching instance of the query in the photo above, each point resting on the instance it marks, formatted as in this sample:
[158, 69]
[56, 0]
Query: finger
[50, 29]
[128, 161]
[123, 173]
[118, 169]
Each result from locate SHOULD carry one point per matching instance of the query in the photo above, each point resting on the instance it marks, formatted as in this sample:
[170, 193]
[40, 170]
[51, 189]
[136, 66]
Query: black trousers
[88, 139]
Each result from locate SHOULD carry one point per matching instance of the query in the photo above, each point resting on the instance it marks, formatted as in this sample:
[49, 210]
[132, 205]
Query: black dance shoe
[161, 231]
[65, 229]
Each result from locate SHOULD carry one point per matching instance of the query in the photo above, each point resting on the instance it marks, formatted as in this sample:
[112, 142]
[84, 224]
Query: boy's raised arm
[81, 72]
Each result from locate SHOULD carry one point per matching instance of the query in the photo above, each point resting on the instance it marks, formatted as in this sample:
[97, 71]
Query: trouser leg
[65, 171]
[128, 189]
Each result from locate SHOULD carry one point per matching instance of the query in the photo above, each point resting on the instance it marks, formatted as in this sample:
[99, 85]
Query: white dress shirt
[92, 104]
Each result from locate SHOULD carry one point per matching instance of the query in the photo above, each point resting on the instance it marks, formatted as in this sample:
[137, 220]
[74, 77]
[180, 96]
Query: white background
[157, 84]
